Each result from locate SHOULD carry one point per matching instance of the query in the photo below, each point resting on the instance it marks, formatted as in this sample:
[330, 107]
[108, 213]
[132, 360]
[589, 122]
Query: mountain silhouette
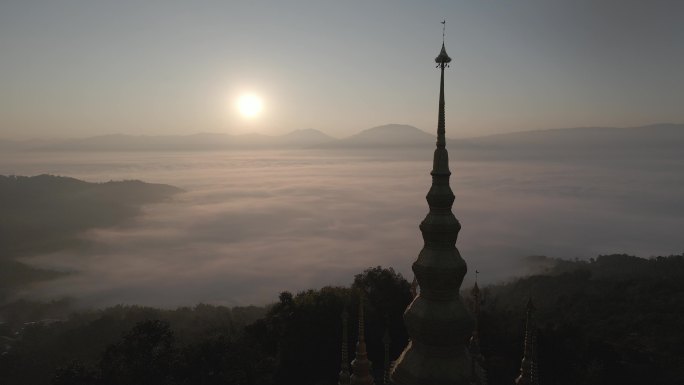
[195, 142]
[46, 213]
[656, 140]
[667, 138]
[388, 135]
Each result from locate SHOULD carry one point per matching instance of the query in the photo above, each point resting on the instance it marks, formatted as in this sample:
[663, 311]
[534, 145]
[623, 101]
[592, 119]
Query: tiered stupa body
[361, 366]
[437, 320]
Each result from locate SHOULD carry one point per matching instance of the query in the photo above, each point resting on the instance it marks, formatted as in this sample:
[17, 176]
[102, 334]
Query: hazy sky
[86, 67]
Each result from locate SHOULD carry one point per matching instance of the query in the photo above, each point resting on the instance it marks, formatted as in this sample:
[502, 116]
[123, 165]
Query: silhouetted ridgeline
[386, 136]
[613, 320]
[195, 142]
[654, 140]
[658, 141]
[46, 213]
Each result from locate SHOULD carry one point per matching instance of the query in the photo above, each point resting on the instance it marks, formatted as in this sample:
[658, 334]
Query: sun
[250, 105]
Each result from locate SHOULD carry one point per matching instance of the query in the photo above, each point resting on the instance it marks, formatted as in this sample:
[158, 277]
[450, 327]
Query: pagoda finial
[437, 321]
[443, 59]
[361, 365]
[344, 365]
[528, 365]
[443, 30]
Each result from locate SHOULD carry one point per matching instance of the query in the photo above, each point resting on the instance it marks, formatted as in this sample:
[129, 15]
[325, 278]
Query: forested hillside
[615, 319]
[48, 213]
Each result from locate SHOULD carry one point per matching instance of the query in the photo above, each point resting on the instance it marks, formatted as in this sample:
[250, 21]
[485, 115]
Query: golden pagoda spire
[361, 365]
[437, 321]
[344, 365]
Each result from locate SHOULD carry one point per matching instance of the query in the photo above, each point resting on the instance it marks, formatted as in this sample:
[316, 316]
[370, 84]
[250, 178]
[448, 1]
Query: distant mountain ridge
[666, 136]
[194, 142]
[642, 135]
[388, 135]
[656, 140]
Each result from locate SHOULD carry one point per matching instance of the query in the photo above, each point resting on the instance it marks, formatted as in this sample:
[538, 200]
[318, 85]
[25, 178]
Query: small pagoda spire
[437, 321]
[361, 365]
[479, 374]
[528, 365]
[477, 300]
[387, 340]
[344, 365]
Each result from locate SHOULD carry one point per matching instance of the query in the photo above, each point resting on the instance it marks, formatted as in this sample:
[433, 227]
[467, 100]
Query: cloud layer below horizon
[252, 224]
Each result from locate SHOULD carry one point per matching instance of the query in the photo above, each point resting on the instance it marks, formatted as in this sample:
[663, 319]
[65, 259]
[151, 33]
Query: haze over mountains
[47, 213]
[567, 193]
[661, 137]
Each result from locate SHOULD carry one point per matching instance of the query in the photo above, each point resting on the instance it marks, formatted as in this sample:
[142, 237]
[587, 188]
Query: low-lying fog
[252, 224]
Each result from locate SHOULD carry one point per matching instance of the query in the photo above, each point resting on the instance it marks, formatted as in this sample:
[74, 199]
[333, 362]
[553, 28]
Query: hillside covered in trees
[613, 319]
[48, 213]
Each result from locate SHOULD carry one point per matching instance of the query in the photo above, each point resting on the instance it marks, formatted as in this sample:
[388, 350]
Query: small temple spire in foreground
[437, 321]
[528, 366]
[344, 365]
[479, 374]
[361, 365]
[474, 343]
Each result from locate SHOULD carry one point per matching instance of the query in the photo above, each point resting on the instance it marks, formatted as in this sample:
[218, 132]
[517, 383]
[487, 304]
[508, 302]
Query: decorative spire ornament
[361, 366]
[437, 321]
[344, 365]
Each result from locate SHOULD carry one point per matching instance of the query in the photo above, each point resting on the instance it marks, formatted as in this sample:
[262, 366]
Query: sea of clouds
[252, 224]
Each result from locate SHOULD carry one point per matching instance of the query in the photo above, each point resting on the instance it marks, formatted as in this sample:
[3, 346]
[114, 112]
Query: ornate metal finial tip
[476, 289]
[443, 58]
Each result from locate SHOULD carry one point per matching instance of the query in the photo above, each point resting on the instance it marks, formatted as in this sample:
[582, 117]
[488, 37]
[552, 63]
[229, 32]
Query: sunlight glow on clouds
[252, 224]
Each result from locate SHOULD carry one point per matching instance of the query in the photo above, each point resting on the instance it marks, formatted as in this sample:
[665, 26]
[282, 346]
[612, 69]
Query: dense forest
[613, 319]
